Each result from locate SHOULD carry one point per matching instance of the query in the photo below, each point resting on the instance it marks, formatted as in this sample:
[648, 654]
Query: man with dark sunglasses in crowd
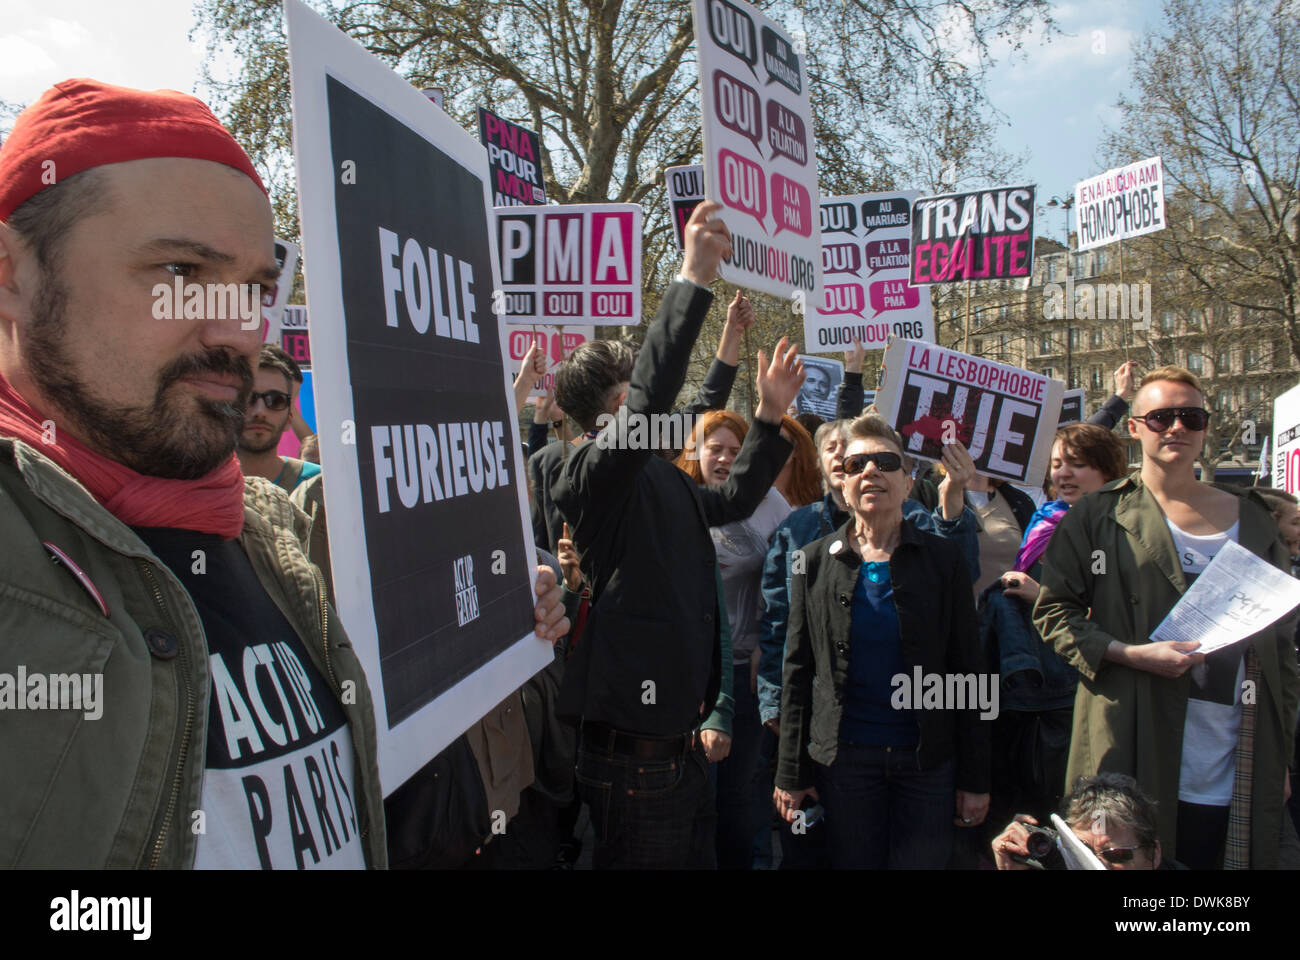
[266, 417]
[1209, 735]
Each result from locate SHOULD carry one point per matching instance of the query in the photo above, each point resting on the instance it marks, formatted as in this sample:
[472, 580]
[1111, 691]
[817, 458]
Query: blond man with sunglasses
[1210, 736]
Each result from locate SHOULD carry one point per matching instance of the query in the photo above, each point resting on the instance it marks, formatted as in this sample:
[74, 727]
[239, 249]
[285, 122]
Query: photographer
[1108, 813]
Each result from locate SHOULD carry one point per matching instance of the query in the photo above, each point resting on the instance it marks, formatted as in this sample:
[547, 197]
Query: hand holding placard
[708, 241]
[740, 313]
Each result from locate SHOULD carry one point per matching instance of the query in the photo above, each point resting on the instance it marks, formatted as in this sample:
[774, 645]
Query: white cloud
[144, 45]
[20, 57]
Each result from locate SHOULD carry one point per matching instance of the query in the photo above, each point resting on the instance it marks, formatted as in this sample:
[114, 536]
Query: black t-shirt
[279, 786]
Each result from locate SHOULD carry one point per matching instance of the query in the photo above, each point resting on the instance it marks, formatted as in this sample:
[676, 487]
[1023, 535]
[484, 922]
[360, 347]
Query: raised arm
[851, 397]
[716, 389]
[607, 467]
[1114, 409]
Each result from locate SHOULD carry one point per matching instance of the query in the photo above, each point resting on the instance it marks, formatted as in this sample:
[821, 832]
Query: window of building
[1221, 400]
[1252, 357]
[1045, 344]
[1223, 361]
[1049, 373]
[1167, 321]
[1195, 362]
[1193, 320]
[1095, 380]
[1074, 378]
[1254, 395]
[1051, 270]
[1094, 338]
[1076, 336]
[1079, 263]
[979, 347]
[1003, 311]
[1099, 261]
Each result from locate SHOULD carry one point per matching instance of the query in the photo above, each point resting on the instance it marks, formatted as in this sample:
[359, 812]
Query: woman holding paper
[882, 611]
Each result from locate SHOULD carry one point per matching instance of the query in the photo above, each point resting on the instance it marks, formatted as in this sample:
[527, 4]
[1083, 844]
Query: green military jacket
[120, 790]
[1111, 572]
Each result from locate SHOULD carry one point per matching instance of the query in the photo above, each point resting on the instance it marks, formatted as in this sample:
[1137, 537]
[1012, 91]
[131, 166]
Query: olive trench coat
[1111, 572]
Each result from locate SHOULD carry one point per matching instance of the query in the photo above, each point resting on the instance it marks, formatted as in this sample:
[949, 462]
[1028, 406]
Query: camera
[1044, 849]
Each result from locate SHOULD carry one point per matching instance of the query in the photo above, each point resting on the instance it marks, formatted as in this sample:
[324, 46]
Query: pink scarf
[212, 504]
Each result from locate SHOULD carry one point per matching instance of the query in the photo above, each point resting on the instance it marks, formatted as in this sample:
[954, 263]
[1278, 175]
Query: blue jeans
[735, 779]
[648, 814]
[882, 812]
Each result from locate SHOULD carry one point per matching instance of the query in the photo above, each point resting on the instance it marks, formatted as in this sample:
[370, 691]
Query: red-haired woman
[741, 546]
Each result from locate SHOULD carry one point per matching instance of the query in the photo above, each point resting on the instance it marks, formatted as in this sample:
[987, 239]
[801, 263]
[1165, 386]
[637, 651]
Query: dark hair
[271, 357]
[589, 376]
[810, 422]
[1096, 446]
[44, 219]
[1118, 799]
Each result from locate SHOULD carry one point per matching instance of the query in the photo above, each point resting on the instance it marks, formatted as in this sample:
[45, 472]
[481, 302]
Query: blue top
[309, 470]
[875, 657]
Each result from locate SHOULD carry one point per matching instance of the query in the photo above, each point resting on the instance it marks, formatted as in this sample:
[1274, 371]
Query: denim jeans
[648, 814]
[735, 779]
[882, 812]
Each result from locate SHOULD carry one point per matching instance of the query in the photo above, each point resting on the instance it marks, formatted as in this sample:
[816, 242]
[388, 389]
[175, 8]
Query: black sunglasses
[885, 462]
[273, 399]
[1118, 854]
[1194, 418]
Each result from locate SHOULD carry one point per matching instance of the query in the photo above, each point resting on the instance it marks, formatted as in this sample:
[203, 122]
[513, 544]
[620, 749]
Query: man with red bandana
[232, 725]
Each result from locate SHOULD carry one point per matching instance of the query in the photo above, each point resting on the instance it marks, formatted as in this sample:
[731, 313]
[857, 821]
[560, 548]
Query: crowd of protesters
[785, 628]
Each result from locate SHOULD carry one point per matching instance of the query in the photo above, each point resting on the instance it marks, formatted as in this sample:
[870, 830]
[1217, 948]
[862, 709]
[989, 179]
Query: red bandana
[211, 504]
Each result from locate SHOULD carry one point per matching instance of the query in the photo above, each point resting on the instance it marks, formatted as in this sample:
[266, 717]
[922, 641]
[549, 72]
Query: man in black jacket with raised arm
[612, 362]
[647, 663]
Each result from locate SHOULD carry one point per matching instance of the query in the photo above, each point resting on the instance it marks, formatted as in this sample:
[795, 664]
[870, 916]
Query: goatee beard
[167, 438]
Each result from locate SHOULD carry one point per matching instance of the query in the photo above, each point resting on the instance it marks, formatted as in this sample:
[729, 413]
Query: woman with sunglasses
[882, 610]
[1209, 735]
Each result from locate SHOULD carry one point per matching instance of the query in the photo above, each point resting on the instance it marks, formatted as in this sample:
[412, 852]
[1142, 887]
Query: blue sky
[1056, 96]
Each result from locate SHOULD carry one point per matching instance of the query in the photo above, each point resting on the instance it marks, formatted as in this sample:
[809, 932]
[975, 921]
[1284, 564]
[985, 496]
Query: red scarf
[210, 504]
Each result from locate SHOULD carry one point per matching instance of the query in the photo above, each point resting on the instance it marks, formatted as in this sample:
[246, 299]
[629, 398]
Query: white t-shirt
[1214, 699]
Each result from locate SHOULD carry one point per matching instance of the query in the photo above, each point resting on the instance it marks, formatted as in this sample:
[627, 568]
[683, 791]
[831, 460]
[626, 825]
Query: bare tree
[1218, 98]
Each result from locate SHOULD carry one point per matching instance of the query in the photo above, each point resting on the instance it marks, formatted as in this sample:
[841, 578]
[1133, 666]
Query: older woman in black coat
[884, 685]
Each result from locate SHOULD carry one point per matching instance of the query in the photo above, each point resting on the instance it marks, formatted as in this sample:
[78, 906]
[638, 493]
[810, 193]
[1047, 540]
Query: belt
[602, 738]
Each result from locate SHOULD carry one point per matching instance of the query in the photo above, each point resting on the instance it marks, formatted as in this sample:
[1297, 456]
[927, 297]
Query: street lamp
[1066, 204]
